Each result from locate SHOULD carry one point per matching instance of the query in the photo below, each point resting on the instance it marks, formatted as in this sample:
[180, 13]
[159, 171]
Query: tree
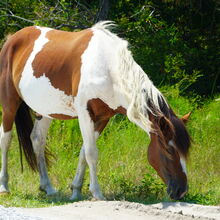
[104, 6]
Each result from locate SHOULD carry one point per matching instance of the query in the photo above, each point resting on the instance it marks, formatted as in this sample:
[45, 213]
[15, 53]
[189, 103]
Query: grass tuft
[123, 170]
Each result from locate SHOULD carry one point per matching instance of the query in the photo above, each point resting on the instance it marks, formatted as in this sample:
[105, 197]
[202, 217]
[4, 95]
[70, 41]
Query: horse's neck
[127, 74]
[129, 79]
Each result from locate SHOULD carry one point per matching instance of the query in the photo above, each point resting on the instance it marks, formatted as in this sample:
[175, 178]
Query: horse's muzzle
[176, 192]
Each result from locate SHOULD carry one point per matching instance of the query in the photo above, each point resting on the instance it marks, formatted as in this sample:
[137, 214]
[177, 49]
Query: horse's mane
[180, 134]
[104, 25]
[145, 97]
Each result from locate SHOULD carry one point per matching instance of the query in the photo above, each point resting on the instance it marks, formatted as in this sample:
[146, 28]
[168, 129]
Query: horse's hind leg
[5, 140]
[38, 138]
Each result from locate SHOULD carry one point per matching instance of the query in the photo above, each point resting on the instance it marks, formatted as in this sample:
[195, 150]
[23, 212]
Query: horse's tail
[24, 126]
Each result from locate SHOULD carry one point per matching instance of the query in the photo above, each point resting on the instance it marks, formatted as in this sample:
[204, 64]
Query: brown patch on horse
[162, 131]
[164, 160]
[21, 44]
[61, 58]
[166, 127]
[154, 154]
[61, 116]
[17, 48]
[100, 113]
[13, 58]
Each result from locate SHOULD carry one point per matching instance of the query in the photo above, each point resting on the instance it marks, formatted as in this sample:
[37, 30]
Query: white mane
[104, 25]
[133, 81]
[142, 89]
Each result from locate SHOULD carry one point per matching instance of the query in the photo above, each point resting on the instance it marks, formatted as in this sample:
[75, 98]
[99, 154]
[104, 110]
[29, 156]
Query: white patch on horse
[95, 81]
[182, 159]
[183, 164]
[115, 78]
[39, 93]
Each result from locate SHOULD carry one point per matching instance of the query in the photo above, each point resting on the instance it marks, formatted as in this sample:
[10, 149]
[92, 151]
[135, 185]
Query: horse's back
[44, 67]
[48, 68]
[60, 59]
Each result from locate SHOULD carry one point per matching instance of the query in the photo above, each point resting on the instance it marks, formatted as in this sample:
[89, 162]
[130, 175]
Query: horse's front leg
[38, 138]
[91, 152]
[5, 139]
[80, 172]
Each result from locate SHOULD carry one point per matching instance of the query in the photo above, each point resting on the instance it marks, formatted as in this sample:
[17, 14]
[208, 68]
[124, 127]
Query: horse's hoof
[76, 196]
[42, 189]
[98, 198]
[48, 191]
[52, 193]
[4, 190]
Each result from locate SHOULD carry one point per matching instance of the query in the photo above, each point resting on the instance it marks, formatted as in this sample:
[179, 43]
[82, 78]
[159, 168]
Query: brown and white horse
[91, 75]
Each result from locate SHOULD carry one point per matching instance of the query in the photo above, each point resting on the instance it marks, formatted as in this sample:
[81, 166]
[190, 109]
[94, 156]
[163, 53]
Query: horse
[90, 75]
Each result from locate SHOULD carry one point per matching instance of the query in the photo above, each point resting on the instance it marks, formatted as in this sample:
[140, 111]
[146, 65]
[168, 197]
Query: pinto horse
[91, 75]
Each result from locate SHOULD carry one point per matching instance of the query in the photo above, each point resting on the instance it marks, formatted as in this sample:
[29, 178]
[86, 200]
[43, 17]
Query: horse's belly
[42, 97]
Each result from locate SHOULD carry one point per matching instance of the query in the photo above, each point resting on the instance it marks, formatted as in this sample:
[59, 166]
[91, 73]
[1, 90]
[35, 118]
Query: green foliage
[174, 41]
[174, 67]
[204, 129]
[149, 189]
[65, 14]
[123, 170]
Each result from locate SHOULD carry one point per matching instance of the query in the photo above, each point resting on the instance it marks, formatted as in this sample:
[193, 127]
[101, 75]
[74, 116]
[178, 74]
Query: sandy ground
[122, 210]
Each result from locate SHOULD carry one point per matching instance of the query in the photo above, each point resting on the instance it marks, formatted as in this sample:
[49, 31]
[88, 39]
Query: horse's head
[167, 152]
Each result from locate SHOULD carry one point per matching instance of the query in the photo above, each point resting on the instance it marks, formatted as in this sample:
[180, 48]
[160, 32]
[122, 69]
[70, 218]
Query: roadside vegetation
[123, 170]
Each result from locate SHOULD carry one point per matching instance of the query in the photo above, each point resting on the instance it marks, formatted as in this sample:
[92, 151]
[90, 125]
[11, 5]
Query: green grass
[204, 164]
[123, 169]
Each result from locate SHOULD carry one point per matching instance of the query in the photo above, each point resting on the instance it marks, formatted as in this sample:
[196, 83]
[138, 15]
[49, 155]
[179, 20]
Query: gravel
[14, 214]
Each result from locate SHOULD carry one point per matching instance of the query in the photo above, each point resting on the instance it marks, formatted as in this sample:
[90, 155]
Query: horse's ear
[185, 118]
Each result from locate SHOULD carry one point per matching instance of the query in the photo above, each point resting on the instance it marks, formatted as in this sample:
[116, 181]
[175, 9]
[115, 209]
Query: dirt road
[122, 210]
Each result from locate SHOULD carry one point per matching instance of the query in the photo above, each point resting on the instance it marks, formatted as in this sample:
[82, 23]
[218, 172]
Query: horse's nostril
[178, 192]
